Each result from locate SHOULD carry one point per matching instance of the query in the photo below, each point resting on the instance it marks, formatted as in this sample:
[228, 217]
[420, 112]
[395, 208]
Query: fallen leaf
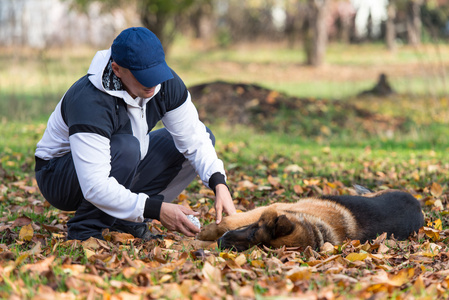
[432, 233]
[40, 267]
[274, 181]
[298, 189]
[26, 233]
[293, 169]
[258, 264]
[21, 221]
[436, 190]
[121, 237]
[211, 273]
[356, 256]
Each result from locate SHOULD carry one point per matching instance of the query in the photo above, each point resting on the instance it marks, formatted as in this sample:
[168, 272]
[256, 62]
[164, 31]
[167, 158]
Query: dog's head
[270, 230]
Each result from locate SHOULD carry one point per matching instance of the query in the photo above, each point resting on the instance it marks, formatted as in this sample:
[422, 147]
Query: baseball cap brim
[153, 76]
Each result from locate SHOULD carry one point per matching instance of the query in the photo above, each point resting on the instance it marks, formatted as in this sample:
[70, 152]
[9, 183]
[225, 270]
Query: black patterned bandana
[110, 81]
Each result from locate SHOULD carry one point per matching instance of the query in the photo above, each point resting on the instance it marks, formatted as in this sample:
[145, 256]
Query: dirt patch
[269, 110]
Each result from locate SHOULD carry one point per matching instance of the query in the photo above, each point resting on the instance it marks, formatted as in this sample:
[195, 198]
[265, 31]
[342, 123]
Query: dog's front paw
[210, 232]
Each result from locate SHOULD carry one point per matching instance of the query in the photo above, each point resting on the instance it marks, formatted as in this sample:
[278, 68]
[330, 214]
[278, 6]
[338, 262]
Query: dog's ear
[268, 219]
[283, 226]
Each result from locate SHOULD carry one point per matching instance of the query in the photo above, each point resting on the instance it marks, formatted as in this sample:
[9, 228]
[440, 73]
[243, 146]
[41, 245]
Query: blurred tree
[409, 13]
[435, 17]
[160, 16]
[390, 31]
[315, 31]
[414, 23]
[200, 11]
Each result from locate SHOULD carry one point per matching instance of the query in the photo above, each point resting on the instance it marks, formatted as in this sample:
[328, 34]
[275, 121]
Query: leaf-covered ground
[37, 262]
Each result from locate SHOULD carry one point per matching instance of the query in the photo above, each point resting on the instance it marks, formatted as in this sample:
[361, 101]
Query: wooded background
[309, 23]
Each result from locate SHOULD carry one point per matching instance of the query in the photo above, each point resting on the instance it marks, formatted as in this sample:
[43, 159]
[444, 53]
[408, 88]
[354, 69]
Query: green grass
[31, 82]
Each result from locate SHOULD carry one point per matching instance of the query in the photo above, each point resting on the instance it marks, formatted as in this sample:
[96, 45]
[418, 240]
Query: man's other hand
[223, 202]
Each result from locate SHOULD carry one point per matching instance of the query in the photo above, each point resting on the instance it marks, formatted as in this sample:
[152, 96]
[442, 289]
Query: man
[98, 155]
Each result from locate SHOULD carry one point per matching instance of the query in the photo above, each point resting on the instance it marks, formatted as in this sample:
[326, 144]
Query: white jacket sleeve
[192, 140]
[93, 166]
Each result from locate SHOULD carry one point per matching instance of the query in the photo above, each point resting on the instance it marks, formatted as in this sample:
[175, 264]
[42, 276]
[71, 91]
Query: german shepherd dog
[314, 221]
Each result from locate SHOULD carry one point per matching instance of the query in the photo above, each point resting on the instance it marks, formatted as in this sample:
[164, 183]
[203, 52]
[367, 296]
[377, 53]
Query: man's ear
[283, 226]
[116, 69]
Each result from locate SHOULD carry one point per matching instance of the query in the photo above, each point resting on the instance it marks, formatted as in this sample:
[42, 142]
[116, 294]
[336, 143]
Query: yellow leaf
[430, 201]
[425, 253]
[26, 233]
[258, 264]
[418, 196]
[226, 255]
[356, 256]
[57, 235]
[402, 277]
[299, 274]
[437, 224]
[21, 258]
[332, 185]
[88, 252]
[240, 260]
[432, 233]
[310, 182]
[182, 197]
[436, 190]
[165, 278]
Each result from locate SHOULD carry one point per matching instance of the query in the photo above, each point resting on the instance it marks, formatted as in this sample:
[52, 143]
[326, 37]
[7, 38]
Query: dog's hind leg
[213, 231]
[366, 192]
[361, 190]
[379, 193]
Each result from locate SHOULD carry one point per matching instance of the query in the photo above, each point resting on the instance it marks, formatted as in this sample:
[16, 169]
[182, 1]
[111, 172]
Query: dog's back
[396, 213]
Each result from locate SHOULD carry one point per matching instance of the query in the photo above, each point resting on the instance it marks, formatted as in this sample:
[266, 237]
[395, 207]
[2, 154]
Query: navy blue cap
[140, 51]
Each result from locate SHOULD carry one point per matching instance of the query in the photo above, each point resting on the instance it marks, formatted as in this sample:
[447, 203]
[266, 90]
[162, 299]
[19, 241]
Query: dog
[314, 221]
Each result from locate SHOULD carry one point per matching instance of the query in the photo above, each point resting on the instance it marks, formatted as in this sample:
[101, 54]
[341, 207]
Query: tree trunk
[347, 25]
[315, 37]
[296, 15]
[390, 34]
[158, 24]
[414, 22]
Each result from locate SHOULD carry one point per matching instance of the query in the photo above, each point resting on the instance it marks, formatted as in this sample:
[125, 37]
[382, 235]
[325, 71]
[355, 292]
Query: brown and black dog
[314, 221]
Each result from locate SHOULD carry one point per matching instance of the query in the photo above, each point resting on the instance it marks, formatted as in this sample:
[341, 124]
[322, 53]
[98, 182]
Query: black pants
[163, 173]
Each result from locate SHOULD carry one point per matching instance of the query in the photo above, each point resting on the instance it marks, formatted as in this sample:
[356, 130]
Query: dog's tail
[361, 190]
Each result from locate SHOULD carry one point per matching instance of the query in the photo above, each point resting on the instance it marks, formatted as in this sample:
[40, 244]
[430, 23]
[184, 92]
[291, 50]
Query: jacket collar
[96, 73]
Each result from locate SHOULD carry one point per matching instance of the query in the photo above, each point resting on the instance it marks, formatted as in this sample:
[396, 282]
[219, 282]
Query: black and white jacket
[89, 114]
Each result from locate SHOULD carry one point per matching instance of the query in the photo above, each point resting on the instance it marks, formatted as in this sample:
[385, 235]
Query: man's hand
[173, 217]
[223, 202]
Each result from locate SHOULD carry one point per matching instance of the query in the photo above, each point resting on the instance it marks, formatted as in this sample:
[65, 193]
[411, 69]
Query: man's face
[132, 86]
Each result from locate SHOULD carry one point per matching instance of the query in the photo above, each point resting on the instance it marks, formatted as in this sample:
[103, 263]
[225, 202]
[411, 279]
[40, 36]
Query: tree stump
[381, 89]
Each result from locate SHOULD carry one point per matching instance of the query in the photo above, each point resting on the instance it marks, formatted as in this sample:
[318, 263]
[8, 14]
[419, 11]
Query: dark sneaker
[138, 230]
